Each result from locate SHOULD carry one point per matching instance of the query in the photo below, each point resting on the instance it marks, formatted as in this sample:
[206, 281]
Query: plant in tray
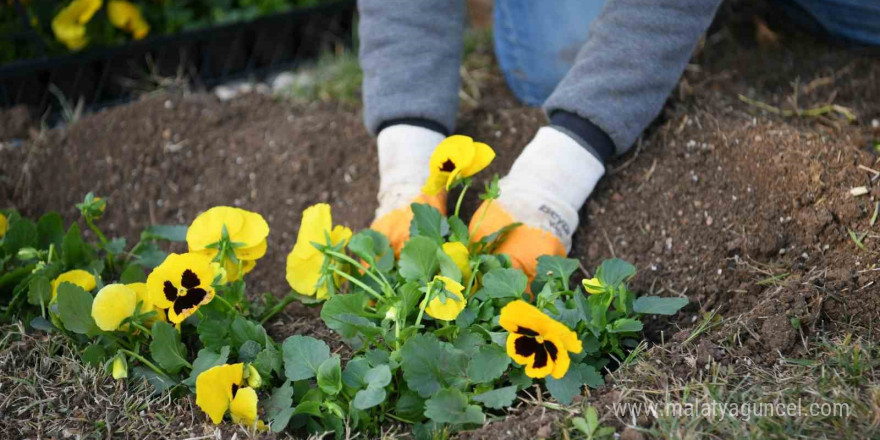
[442, 337]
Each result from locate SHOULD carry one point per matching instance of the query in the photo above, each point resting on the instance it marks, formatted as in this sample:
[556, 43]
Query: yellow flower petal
[112, 305]
[214, 389]
[143, 296]
[127, 16]
[459, 254]
[449, 310]
[77, 276]
[69, 25]
[536, 338]
[120, 368]
[252, 253]
[593, 286]
[455, 158]
[181, 284]
[304, 261]
[4, 225]
[244, 406]
[483, 156]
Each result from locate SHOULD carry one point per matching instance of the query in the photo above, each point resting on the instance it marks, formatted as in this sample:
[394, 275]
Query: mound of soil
[742, 211]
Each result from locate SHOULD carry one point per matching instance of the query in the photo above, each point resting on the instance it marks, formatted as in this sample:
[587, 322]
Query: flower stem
[423, 305]
[360, 284]
[225, 302]
[461, 197]
[369, 270]
[149, 364]
[480, 221]
[278, 307]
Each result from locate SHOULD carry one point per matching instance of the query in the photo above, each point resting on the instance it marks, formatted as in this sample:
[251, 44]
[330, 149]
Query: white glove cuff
[404, 155]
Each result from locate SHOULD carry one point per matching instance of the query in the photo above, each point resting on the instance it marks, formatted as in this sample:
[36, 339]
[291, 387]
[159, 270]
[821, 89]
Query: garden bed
[748, 214]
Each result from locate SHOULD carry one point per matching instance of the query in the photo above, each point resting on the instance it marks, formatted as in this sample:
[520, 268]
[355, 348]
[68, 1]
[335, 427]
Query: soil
[744, 212]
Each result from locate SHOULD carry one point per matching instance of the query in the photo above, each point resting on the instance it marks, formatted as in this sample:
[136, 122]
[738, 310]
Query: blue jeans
[536, 42]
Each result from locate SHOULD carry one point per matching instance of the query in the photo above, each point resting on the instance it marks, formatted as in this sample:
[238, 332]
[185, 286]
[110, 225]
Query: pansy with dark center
[181, 284]
[448, 166]
[537, 341]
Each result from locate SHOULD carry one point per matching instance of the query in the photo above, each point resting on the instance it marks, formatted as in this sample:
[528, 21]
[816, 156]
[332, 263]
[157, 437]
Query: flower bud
[120, 367]
[254, 380]
[28, 253]
[391, 313]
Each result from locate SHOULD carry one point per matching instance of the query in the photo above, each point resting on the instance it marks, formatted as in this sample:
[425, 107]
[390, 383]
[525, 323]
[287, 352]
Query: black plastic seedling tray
[104, 76]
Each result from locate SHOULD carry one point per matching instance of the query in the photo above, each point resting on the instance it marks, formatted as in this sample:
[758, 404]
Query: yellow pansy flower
[146, 301]
[459, 254]
[305, 261]
[593, 286]
[219, 389]
[181, 284]
[246, 230]
[127, 16]
[455, 158]
[4, 225]
[77, 276]
[113, 304]
[446, 308]
[538, 341]
[69, 26]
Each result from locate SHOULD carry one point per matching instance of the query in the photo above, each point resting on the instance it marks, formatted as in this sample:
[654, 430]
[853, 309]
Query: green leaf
[355, 370]
[166, 348]
[555, 267]
[368, 398]
[564, 390]
[505, 283]
[115, 246]
[39, 291]
[418, 259]
[22, 233]
[330, 376]
[310, 407]
[94, 355]
[213, 330]
[268, 361]
[450, 406]
[428, 222]
[458, 230]
[615, 271]
[243, 330]
[74, 251]
[75, 309]
[342, 313]
[497, 398]
[488, 364]
[249, 351]
[378, 376]
[430, 365]
[448, 268]
[302, 356]
[132, 274]
[206, 360]
[410, 406]
[279, 407]
[160, 382]
[166, 232]
[410, 298]
[625, 325]
[150, 255]
[659, 306]
[50, 230]
[373, 247]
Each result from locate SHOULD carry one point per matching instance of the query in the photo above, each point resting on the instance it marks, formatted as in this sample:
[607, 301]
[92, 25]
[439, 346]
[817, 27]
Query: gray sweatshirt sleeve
[635, 53]
[410, 52]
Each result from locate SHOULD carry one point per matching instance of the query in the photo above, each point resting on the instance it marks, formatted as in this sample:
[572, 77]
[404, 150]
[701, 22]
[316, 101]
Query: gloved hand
[404, 155]
[546, 187]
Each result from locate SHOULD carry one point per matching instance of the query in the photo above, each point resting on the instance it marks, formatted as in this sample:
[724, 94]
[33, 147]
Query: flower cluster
[441, 333]
[70, 24]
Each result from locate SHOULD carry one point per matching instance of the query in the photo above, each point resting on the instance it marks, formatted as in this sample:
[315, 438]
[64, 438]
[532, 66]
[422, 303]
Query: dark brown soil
[743, 212]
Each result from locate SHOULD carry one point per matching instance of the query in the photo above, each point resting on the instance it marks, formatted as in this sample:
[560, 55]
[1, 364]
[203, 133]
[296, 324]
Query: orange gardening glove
[523, 245]
[395, 224]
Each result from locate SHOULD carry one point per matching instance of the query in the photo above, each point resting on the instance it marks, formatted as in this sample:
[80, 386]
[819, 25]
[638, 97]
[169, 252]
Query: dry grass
[46, 392]
[838, 373]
